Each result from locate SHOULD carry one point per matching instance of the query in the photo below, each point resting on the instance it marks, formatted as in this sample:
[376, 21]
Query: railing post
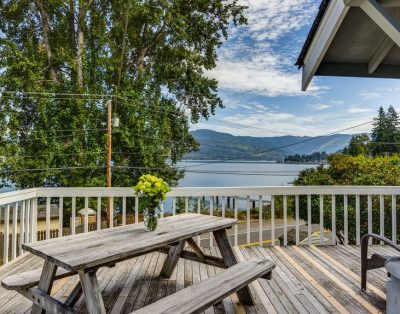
[248, 218]
[136, 209]
[86, 225]
[346, 220]
[14, 232]
[48, 218]
[173, 206]
[6, 233]
[272, 220]
[357, 219]
[27, 220]
[333, 231]
[382, 216]
[309, 218]
[297, 209]
[235, 227]
[22, 226]
[211, 214]
[394, 219]
[223, 201]
[73, 214]
[98, 220]
[198, 211]
[124, 211]
[186, 204]
[321, 219]
[260, 220]
[60, 216]
[111, 212]
[284, 220]
[370, 217]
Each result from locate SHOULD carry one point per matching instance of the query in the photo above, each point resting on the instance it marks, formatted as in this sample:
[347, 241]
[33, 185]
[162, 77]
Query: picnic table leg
[229, 258]
[45, 283]
[90, 286]
[172, 259]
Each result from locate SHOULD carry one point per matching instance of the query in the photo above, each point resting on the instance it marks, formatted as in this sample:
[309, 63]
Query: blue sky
[261, 87]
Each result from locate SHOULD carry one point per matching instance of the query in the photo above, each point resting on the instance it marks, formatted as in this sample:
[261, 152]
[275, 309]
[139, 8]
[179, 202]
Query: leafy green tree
[150, 55]
[359, 145]
[350, 170]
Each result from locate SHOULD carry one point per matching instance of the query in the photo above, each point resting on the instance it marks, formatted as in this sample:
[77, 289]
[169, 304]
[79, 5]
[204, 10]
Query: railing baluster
[21, 226]
[162, 209]
[370, 216]
[297, 206]
[357, 219]
[211, 214]
[14, 232]
[346, 220]
[382, 216]
[6, 232]
[272, 220]
[223, 199]
[111, 212]
[285, 220]
[260, 220]
[136, 209]
[333, 233]
[198, 211]
[248, 226]
[186, 204]
[309, 218]
[86, 226]
[60, 216]
[394, 219]
[35, 221]
[321, 219]
[98, 220]
[47, 218]
[73, 214]
[27, 221]
[173, 206]
[235, 227]
[124, 211]
[32, 221]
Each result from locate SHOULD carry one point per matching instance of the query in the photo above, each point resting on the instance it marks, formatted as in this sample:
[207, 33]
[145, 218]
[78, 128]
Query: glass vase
[150, 219]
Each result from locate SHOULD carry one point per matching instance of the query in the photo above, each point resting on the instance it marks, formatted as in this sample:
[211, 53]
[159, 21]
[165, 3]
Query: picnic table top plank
[98, 248]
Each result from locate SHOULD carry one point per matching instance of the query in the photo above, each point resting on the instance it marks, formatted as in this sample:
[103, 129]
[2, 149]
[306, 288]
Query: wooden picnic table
[86, 253]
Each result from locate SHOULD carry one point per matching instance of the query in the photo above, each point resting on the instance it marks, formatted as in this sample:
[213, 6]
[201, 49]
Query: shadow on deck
[322, 279]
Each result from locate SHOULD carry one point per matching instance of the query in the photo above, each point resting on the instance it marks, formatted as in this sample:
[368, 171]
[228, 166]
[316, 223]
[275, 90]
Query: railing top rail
[224, 191]
[17, 196]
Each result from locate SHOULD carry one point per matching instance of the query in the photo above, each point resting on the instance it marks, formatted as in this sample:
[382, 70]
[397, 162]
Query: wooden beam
[380, 16]
[172, 259]
[380, 54]
[333, 18]
[195, 248]
[46, 302]
[384, 3]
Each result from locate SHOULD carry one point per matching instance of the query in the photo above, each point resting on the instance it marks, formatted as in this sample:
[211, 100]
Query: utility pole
[109, 124]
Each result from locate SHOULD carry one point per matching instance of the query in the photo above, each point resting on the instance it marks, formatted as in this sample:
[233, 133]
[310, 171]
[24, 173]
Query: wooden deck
[323, 279]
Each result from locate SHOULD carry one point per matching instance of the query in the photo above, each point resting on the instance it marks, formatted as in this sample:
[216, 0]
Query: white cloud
[359, 110]
[257, 60]
[320, 106]
[370, 95]
[337, 102]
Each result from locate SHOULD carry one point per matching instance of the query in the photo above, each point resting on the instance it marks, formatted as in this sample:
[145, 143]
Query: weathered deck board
[323, 279]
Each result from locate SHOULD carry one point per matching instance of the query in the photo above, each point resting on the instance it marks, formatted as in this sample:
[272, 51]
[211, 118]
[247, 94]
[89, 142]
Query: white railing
[258, 208]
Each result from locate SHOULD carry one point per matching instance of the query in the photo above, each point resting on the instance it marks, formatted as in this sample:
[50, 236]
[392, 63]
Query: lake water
[231, 174]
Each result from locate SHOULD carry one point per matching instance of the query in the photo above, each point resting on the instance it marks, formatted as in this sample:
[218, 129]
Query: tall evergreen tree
[379, 133]
[151, 55]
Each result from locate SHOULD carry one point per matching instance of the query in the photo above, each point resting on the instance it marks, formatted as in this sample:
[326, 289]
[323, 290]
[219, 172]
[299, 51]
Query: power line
[279, 147]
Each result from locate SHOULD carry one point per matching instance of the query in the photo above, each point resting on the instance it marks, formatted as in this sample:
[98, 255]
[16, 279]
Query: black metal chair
[376, 260]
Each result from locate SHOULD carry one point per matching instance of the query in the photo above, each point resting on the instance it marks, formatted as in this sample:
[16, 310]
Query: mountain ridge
[218, 145]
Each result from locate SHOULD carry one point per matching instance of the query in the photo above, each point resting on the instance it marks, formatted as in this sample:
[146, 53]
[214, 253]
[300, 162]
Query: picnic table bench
[84, 254]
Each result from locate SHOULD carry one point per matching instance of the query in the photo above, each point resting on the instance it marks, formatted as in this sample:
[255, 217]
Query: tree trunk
[46, 33]
[83, 8]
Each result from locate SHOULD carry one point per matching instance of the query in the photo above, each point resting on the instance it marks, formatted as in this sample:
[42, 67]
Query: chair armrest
[366, 237]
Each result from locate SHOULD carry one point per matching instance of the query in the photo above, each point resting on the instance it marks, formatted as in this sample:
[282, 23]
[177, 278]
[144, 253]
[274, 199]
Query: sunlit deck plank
[323, 275]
